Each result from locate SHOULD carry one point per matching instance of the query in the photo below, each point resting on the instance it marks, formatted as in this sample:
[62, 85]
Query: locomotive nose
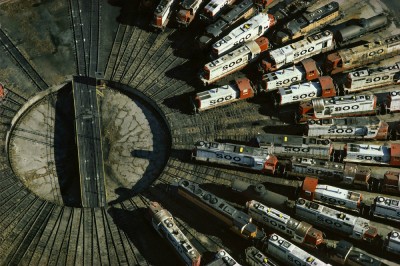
[272, 20]
[184, 15]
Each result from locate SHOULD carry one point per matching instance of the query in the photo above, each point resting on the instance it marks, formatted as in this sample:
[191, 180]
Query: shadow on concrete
[65, 149]
[156, 165]
[154, 249]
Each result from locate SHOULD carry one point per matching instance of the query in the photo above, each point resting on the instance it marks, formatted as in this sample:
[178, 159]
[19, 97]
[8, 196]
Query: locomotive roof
[300, 88]
[341, 100]
[370, 148]
[280, 54]
[226, 257]
[338, 192]
[162, 6]
[239, 218]
[283, 73]
[376, 70]
[188, 4]
[237, 10]
[288, 247]
[394, 95]
[233, 148]
[165, 217]
[213, 4]
[254, 22]
[380, 200]
[296, 25]
[322, 12]
[277, 140]
[317, 162]
[271, 211]
[348, 54]
[217, 28]
[326, 211]
[215, 92]
[350, 121]
[257, 255]
[249, 46]
[394, 236]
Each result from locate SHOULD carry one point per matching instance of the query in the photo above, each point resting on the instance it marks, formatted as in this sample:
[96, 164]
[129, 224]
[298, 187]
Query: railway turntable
[88, 139]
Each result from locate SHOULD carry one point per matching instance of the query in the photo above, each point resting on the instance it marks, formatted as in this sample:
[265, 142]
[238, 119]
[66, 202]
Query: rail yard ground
[148, 132]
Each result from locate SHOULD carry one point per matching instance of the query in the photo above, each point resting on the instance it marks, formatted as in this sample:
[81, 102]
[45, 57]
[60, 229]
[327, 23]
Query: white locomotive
[368, 153]
[393, 242]
[302, 166]
[233, 61]
[339, 106]
[214, 8]
[243, 10]
[349, 128]
[306, 70]
[386, 207]
[290, 254]
[394, 101]
[299, 232]
[373, 77]
[254, 257]
[248, 31]
[355, 227]
[240, 90]
[226, 257]
[187, 12]
[235, 155]
[292, 145]
[293, 53]
[362, 54]
[322, 87]
[348, 173]
[162, 14]
[335, 196]
[164, 224]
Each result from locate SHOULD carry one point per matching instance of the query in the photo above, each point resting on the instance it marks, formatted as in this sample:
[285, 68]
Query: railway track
[39, 232]
[85, 23]
[155, 45]
[22, 62]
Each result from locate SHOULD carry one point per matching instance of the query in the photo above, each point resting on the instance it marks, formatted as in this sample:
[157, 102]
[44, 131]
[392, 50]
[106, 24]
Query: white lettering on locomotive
[230, 62]
[368, 153]
[344, 106]
[291, 254]
[337, 196]
[372, 77]
[355, 227]
[295, 52]
[386, 207]
[248, 31]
